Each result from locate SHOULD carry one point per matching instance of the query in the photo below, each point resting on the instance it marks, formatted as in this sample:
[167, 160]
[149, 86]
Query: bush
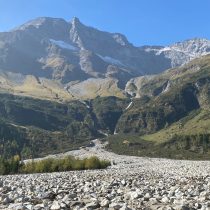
[92, 163]
[13, 165]
[10, 166]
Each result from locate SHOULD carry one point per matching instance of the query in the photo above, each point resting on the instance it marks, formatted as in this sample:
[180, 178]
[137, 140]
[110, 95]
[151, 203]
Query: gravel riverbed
[130, 183]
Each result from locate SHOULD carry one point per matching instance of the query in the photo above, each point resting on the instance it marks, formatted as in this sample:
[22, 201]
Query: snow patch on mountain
[111, 60]
[63, 44]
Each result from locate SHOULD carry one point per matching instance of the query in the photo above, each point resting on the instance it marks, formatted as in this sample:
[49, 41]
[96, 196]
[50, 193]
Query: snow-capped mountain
[56, 49]
[68, 51]
[182, 52]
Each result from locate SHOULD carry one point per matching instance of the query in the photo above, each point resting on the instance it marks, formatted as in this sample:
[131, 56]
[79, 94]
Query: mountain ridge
[68, 52]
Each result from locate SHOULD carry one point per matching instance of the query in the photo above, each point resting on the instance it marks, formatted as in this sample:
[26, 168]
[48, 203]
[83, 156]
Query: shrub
[92, 163]
[10, 166]
[51, 165]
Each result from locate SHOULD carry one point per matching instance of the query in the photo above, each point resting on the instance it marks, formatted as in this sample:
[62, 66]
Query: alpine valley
[63, 84]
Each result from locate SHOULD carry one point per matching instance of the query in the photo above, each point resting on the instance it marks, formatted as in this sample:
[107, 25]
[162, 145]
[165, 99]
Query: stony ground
[131, 183]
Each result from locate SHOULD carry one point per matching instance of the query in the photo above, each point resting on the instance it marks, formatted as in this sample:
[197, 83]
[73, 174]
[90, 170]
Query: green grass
[196, 122]
[196, 147]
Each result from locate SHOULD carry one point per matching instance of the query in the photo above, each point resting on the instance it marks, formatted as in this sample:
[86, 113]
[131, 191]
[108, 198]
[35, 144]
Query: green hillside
[31, 127]
[169, 122]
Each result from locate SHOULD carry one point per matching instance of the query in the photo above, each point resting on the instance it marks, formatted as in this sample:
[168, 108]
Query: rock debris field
[130, 183]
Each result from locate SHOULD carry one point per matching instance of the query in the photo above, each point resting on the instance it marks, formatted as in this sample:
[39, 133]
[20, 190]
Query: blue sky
[152, 22]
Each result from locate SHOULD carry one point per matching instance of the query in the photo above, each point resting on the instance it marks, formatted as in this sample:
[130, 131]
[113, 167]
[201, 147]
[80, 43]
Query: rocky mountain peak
[41, 21]
[193, 46]
[75, 21]
[76, 28]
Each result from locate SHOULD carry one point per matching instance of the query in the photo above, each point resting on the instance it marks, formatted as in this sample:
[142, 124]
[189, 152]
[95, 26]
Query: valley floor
[130, 183]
